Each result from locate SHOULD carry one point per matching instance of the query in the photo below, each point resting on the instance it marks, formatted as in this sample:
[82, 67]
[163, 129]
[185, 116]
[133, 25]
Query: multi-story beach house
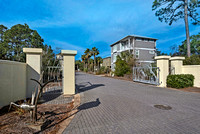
[143, 49]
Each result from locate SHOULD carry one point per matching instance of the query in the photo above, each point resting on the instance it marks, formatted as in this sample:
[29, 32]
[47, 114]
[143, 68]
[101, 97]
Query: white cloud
[67, 46]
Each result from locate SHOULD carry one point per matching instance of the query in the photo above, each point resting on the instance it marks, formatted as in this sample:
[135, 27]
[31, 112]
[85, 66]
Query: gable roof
[107, 57]
[136, 36]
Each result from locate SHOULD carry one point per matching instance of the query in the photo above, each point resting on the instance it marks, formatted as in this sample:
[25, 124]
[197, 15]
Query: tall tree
[195, 45]
[36, 40]
[79, 65]
[91, 64]
[95, 52]
[83, 57]
[3, 46]
[17, 38]
[87, 56]
[48, 56]
[13, 40]
[172, 10]
[99, 60]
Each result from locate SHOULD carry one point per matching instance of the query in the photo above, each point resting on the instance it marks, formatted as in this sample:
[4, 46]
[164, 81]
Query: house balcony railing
[125, 49]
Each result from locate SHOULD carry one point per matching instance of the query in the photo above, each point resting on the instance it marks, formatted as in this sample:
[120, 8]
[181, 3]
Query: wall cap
[164, 57]
[192, 66]
[68, 52]
[177, 58]
[33, 50]
[11, 62]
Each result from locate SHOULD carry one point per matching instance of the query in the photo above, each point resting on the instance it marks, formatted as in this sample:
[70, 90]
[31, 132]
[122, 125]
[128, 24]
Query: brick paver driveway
[117, 106]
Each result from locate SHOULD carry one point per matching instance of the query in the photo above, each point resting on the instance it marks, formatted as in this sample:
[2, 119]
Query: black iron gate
[54, 72]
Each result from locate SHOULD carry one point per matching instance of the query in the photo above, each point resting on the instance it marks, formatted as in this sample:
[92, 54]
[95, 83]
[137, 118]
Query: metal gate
[54, 73]
[146, 74]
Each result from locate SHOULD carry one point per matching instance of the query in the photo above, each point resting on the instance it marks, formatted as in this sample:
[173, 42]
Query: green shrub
[107, 70]
[102, 69]
[121, 67]
[85, 70]
[180, 80]
[192, 60]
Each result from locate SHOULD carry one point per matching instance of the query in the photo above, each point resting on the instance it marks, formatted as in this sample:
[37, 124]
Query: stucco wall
[143, 44]
[15, 83]
[12, 81]
[194, 70]
[179, 68]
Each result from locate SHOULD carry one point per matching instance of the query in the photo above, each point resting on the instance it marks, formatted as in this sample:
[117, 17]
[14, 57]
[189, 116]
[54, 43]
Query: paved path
[54, 95]
[117, 106]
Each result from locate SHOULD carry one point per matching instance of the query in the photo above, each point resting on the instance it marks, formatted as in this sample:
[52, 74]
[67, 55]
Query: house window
[122, 46]
[137, 53]
[151, 52]
[127, 42]
[138, 39]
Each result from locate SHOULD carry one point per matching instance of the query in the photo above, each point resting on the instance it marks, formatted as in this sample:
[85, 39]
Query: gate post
[163, 64]
[34, 64]
[177, 63]
[68, 71]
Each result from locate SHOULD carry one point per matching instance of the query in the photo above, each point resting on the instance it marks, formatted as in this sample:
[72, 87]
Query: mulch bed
[16, 121]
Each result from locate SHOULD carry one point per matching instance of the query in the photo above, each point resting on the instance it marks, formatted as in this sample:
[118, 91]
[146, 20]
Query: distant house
[143, 49]
[59, 57]
[107, 62]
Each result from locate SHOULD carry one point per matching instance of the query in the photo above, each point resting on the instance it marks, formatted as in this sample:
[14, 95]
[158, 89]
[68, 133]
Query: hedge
[180, 80]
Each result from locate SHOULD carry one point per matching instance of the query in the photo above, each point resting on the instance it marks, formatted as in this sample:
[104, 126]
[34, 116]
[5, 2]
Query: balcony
[125, 49]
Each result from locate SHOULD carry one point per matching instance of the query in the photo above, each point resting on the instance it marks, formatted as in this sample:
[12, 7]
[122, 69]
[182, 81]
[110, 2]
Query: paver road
[117, 106]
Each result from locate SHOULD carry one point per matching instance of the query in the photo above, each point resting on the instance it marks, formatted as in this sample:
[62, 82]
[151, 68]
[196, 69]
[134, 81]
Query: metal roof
[136, 36]
[107, 57]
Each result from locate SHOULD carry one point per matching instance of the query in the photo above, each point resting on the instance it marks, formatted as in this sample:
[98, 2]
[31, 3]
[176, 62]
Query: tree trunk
[88, 65]
[94, 63]
[187, 27]
[98, 65]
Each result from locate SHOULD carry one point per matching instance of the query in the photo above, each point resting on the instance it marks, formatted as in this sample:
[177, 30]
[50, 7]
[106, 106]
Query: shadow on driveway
[48, 123]
[82, 87]
[89, 105]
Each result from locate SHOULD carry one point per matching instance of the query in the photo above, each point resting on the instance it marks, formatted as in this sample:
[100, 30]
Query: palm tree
[94, 52]
[87, 55]
[91, 64]
[99, 61]
[83, 57]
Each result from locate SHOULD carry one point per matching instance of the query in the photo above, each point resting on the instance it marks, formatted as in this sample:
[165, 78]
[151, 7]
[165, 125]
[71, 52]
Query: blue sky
[81, 24]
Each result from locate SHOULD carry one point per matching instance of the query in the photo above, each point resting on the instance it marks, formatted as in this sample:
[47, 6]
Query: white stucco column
[129, 43]
[34, 64]
[34, 58]
[68, 71]
[177, 63]
[163, 64]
